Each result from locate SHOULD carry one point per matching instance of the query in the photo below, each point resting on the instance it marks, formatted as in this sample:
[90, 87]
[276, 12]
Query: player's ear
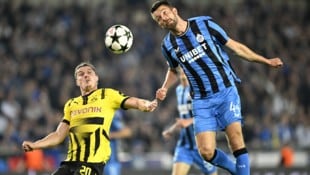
[175, 10]
[77, 82]
[97, 78]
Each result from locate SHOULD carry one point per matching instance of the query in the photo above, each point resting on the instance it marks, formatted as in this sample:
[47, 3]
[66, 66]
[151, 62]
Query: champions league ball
[118, 39]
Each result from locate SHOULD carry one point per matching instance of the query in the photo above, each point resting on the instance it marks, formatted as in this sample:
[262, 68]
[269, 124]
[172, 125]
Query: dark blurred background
[41, 42]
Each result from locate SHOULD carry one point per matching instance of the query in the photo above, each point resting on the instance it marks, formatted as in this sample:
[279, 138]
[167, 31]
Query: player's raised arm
[246, 53]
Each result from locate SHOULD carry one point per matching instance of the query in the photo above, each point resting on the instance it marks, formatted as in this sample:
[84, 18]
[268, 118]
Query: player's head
[164, 14]
[86, 76]
[158, 3]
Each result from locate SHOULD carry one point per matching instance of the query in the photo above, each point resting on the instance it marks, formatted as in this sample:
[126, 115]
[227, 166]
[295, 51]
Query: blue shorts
[217, 111]
[192, 156]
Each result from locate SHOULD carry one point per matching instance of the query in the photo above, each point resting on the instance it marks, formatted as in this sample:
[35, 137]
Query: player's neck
[87, 91]
[181, 27]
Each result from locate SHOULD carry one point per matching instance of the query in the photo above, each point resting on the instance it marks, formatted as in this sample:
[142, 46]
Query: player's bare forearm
[246, 53]
[169, 132]
[170, 79]
[141, 104]
[50, 140]
[184, 123]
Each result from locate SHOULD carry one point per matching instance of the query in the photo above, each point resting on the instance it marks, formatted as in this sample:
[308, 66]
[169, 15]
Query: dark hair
[158, 3]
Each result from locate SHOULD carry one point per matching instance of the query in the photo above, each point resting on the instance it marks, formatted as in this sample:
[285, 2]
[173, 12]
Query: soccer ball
[118, 39]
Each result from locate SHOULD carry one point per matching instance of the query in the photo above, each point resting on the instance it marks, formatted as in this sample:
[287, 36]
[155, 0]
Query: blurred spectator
[287, 156]
[34, 162]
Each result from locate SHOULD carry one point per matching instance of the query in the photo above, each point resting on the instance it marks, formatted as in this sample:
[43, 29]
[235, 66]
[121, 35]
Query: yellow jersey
[89, 118]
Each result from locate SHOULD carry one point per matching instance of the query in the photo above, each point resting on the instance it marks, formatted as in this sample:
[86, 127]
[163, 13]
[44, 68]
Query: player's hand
[167, 134]
[275, 62]
[27, 146]
[150, 106]
[161, 93]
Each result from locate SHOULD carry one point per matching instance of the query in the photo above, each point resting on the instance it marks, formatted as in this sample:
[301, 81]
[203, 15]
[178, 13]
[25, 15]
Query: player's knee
[206, 152]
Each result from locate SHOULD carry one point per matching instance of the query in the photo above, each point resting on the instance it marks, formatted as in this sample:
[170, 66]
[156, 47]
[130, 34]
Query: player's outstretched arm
[50, 140]
[246, 53]
[140, 104]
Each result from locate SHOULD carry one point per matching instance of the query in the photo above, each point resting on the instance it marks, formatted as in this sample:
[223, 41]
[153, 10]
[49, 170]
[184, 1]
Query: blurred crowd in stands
[41, 43]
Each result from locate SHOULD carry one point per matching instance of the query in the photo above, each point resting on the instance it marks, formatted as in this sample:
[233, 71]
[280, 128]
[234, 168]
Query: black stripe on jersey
[78, 150]
[87, 145]
[231, 67]
[218, 64]
[85, 99]
[93, 120]
[102, 93]
[202, 64]
[183, 142]
[104, 133]
[169, 56]
[187, 131]
[189, 68]
[215, 33]
[70, 154]
[97, 140]
[188, 135]
[89, 121]
[71, 100]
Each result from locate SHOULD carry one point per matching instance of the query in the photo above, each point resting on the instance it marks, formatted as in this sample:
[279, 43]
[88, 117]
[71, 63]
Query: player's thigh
[180, 168]
[204, 116]
[206, 139]
[235, 136]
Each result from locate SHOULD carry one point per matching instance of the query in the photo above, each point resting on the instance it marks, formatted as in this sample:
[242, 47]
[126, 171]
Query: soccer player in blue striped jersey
[118, 131]
[186, 152]
[197, 45]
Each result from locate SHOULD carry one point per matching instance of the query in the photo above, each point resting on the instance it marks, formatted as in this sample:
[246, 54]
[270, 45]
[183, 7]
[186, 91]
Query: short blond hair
[83, 64]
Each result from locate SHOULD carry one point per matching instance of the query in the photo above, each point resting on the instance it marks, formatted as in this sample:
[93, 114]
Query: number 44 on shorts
[235, 108]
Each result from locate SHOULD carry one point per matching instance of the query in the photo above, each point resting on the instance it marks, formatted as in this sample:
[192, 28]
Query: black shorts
[79, 168]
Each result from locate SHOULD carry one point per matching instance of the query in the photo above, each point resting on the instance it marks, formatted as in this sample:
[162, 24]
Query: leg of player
[206, 142]
[237, 145]
[180, 168]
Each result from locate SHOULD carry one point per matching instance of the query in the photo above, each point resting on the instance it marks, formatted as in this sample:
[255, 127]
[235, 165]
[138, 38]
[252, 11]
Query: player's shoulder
[200, 18]
[74, 100]
[111, 92]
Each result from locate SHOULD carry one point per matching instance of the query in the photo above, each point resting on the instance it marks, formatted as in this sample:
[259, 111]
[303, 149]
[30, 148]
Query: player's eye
[164, 12]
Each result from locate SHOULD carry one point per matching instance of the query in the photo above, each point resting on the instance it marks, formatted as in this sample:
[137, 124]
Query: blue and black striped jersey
[186, 137]
[199, 51]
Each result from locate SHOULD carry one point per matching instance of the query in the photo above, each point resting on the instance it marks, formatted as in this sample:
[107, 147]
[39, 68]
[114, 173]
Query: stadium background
[42, 41]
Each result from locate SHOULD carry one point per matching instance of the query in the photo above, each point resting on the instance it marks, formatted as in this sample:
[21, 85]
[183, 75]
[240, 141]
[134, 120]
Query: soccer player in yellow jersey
[87, 120]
